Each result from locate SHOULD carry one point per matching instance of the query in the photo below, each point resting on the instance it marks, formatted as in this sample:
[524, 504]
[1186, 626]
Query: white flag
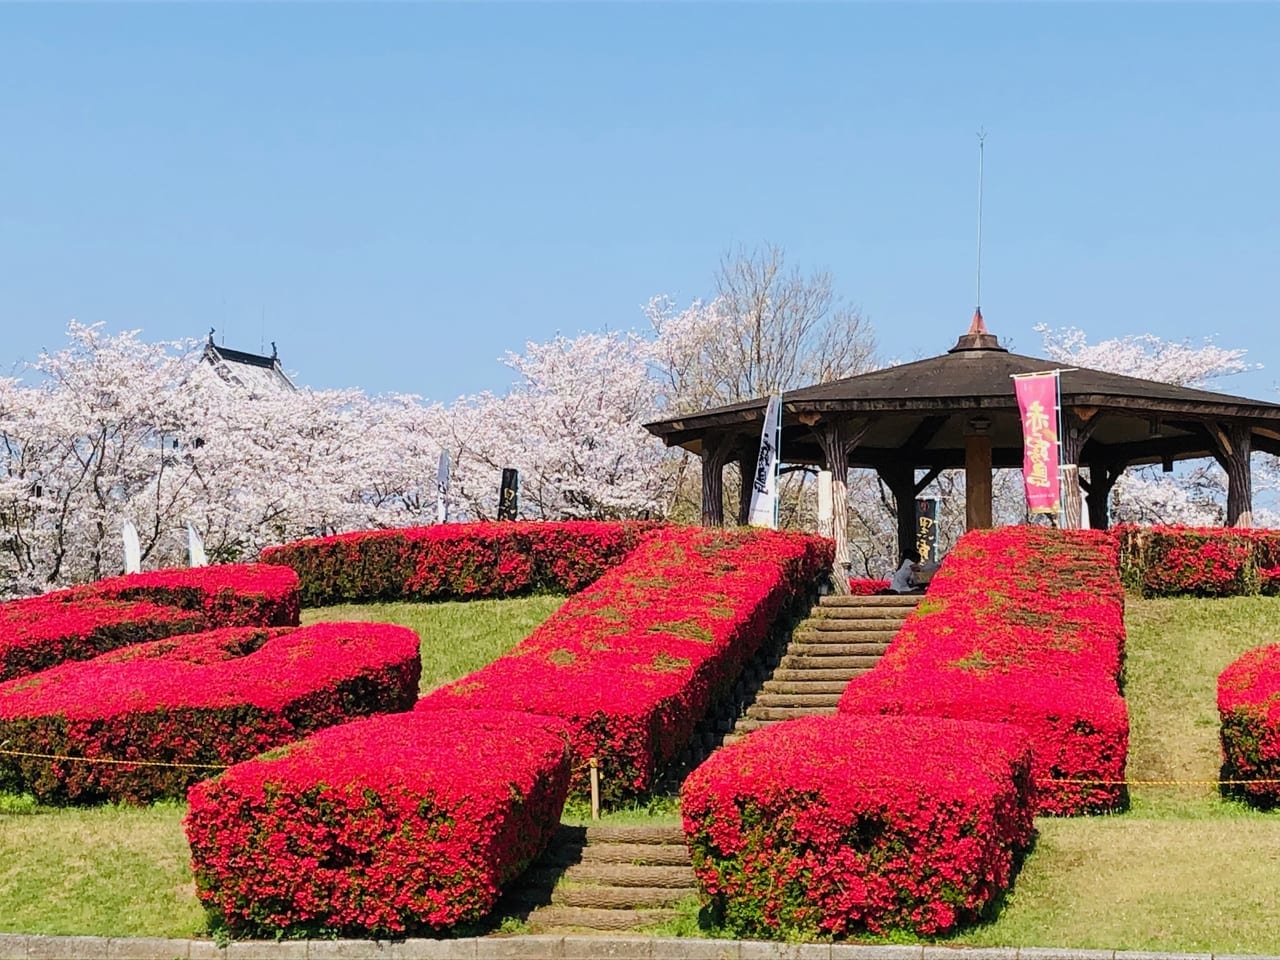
[764, 486]
[195, 548]
[132, 550]
[442, 488]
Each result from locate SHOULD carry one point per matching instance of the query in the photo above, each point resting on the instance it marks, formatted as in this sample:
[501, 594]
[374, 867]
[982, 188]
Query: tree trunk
[1072, 508]
[715, 455]
[837, 438]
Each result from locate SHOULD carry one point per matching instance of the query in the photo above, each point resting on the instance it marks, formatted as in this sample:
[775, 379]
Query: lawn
[125, 871]
[1182, 870]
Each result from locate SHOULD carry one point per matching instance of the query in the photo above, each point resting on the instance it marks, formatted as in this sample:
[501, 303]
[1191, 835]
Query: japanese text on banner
[1038, 406]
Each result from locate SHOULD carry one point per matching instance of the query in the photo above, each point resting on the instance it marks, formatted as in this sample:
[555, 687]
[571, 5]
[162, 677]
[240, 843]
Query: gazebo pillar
[1235, 446]
[1102, 478]
[837, 438]
[747, 457]
[977, 473]
[715, 454]
[904, 486]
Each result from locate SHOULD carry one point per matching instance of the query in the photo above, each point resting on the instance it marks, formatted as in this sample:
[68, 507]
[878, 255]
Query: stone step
[759, 712]
[802, 687]
[617, 898]
[871, 641]
[854, 666]
[819, 651]
[812, 675]
[636, 833]
[627, 875]
[551, 918]
[906, 601]
[864, 612]
[639, 854]
[787, 700]
[844, 625]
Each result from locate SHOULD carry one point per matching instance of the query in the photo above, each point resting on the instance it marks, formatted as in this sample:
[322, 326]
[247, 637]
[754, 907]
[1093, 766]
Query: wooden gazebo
[957, 410]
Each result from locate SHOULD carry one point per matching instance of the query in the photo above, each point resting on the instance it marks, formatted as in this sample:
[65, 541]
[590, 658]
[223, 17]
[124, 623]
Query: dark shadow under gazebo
[958, 410]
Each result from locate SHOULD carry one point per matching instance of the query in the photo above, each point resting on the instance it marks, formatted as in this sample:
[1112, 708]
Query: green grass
[125, 871]
[457, 637]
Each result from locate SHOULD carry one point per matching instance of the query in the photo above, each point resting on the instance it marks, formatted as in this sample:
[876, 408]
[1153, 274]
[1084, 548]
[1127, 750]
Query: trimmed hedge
[832, 825]
[83, 622]
[382, 827]
[634, 661]
[1199, 561]
[1021, 625]
[206, 699]
[456, 561]
[1249, 713]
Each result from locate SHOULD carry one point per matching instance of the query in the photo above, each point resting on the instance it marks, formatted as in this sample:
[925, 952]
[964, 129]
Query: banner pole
[1062, 496]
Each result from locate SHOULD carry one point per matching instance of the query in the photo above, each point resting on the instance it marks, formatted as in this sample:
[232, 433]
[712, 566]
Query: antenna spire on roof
[982, 137]
[977, 325]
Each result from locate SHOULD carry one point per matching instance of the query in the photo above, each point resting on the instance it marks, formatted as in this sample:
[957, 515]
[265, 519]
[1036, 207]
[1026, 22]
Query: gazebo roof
[918, 411]
[258, 374]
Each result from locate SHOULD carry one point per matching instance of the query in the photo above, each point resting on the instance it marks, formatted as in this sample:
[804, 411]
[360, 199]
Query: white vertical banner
[826, 505]
[132, 549]
[764, 486]
[195, 548]
[442, 488]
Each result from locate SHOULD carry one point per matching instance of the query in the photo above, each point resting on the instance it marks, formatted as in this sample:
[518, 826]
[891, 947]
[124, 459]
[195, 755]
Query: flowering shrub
[1200, 561]
[211, 698]
[1249, 711]
[82, 622]
[635, 660]
[380, 827]
[832, 825]
[864, 588]
[456, 560]
[1021, 625]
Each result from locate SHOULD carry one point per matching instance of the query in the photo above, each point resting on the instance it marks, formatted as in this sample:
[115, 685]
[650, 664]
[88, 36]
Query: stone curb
[25, 947]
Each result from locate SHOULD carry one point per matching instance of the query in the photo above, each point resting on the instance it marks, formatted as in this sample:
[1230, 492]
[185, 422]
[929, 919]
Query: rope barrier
[111, 760]
[1155, 783]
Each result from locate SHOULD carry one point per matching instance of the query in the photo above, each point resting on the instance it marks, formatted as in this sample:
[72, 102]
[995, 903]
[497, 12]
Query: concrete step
[802, 686]
[636, 833]
[552, 918]
[863, 612]
[639, 854]
[819, 651]
[788, 700]
[872, 642]
[905, 601]
[811, 675]
[617, 898]
[854, 666]
[627, 875]
[759, 712]
[844, 625]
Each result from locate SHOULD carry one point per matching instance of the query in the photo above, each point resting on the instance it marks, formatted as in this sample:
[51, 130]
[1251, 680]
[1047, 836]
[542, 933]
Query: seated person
[901, 581]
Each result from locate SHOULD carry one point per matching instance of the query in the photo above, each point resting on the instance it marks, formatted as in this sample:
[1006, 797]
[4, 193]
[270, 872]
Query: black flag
[509, 494]
[927, 530]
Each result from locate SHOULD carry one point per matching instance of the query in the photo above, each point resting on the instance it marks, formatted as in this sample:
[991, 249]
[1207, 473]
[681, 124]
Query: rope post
[595, 788]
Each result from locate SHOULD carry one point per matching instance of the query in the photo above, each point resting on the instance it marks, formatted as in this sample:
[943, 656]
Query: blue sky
[398, 194]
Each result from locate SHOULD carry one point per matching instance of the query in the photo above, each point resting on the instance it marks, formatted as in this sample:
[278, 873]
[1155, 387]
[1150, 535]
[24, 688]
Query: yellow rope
[132, 763]
[1155, 783]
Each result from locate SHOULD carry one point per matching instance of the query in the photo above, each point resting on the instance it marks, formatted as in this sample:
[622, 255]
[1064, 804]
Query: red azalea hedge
[1249, 711]
[1199, 561]
[210, 698]
[635, 660]
[1021, 625]
[80, 623]
[380, 827]
[831, 825]
[865, 588]
[456, 561]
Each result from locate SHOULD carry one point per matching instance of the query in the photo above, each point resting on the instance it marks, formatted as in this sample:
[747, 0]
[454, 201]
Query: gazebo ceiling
[921, 411]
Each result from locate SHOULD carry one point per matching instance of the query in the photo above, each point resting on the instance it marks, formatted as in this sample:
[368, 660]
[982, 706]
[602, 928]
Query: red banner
[1038, 405]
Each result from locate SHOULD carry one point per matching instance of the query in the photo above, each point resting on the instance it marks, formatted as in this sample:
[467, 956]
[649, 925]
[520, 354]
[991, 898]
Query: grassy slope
[1183, 870]
[123, 871]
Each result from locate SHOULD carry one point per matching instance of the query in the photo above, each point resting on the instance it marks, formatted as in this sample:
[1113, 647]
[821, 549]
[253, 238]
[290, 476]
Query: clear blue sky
[404, 192]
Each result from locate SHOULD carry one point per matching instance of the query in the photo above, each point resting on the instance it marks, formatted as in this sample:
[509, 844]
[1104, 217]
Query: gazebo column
[1235, 446]
[902, 483]
[747, 458]
[977, 473]
[1077, 426]
[837, 438]
[716, 452]
[1102, 478]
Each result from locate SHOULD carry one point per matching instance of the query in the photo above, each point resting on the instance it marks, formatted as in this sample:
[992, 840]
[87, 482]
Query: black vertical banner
[927, 530]
[509, 494]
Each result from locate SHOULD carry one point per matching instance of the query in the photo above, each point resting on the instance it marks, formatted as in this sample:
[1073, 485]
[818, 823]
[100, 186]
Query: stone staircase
[605, 878]
[842, 638]
[609, 878]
